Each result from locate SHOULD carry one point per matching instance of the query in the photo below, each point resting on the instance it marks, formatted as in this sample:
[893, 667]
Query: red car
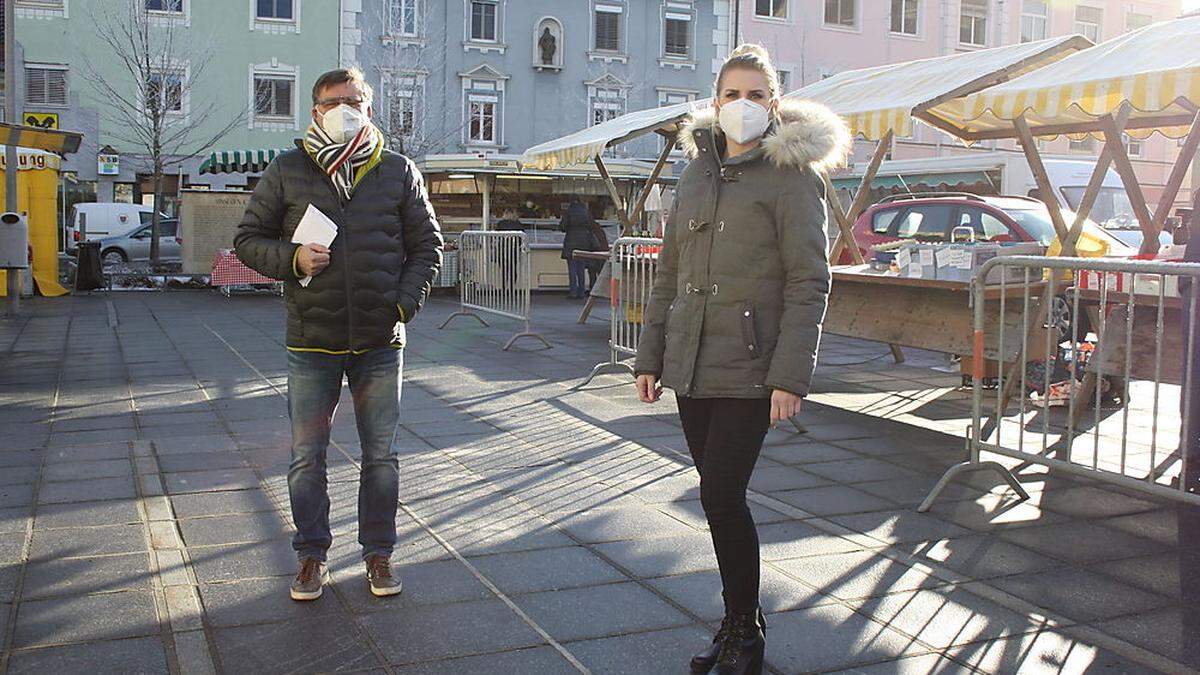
[932, 217]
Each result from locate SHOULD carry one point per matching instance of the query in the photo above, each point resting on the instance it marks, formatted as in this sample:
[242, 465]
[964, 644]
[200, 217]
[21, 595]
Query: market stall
[1136, 84]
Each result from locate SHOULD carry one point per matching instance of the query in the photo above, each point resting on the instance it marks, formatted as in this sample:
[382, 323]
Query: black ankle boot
[742, 647]
[703, 661]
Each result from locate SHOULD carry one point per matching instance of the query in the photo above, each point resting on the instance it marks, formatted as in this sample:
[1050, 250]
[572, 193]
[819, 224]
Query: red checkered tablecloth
[227, 270]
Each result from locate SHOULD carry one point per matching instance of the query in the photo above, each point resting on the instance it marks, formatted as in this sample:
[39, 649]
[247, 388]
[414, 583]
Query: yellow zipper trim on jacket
[338, 352]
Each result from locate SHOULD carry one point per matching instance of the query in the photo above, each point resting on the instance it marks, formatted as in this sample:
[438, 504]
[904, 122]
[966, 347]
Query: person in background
[599, 243]
[734, 319]
[349, 321]
[507, 251]
[577, 225]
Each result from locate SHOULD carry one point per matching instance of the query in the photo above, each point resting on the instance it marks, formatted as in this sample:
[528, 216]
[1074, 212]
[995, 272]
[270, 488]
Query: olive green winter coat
[743, 277]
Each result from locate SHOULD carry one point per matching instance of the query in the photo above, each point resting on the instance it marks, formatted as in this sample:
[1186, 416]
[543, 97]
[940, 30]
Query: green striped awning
[239, 161]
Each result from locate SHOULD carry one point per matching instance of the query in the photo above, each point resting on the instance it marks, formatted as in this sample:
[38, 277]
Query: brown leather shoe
[379, 576]
[310, 580]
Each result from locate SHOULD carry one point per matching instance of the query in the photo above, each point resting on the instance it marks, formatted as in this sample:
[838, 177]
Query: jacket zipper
[344, 230]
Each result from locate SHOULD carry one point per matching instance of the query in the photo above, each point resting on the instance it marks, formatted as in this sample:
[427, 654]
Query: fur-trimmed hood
[804, 133]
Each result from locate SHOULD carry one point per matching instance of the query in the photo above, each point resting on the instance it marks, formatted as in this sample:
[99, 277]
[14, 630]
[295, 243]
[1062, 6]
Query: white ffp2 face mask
[743, 120]
[343, 122]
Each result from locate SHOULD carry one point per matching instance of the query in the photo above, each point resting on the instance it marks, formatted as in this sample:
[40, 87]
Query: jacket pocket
[749, 331]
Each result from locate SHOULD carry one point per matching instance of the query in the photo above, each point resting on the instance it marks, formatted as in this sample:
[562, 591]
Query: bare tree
[143, 82]
[412, 52]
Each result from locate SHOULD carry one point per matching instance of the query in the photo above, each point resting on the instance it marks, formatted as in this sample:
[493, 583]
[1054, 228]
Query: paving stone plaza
[144, 521]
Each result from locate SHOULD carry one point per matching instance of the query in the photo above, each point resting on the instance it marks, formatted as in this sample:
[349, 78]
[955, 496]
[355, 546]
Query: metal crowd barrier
[494, 278]
[1115, 400]
[634, 265]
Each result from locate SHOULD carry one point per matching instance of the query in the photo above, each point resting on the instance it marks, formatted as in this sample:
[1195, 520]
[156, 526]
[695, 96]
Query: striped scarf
[342, 160]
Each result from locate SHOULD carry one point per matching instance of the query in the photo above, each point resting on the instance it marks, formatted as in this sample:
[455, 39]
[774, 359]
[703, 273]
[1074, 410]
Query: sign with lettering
[108, 165]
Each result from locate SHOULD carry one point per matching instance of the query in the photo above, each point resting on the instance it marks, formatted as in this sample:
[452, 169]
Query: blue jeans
[314, 386]
[577, 271]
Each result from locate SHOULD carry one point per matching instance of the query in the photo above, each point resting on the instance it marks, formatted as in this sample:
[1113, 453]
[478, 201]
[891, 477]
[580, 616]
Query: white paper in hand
[314, 228]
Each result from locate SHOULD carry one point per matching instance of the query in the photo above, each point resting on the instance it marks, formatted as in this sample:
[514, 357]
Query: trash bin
[89, 276]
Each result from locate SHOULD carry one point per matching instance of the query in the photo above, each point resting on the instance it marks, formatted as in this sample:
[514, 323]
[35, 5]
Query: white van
[99, 220]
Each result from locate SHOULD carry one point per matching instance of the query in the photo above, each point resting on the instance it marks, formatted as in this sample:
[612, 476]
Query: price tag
[903, 258]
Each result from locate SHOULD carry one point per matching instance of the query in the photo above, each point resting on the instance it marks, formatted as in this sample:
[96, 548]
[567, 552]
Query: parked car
[134, 245]
[931, 217]
[104, 219]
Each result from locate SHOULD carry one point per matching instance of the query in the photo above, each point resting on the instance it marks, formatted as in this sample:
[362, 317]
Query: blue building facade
[499, 76]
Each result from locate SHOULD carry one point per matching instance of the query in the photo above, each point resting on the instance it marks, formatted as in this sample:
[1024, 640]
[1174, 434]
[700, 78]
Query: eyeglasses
[339, 100]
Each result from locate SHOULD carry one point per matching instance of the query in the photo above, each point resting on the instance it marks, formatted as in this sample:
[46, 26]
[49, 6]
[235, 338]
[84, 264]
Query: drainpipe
[737, 14]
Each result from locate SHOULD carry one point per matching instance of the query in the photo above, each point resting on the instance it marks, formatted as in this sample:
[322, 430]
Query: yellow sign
[41, 120]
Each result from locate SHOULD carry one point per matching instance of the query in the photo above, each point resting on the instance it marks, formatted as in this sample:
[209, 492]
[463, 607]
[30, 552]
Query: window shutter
[56, 87]
[607, 36]
[35, 85]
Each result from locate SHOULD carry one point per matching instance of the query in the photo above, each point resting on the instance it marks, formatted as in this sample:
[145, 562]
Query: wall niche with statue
[548, 44]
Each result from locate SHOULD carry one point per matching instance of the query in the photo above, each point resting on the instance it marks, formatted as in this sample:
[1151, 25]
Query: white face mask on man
[743, 120]
[343, 122]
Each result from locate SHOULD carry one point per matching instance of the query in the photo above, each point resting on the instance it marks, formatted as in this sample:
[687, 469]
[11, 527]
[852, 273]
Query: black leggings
[725, 436]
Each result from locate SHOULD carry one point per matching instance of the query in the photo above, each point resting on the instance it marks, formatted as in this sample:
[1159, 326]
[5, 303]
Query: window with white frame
[402, 109]
[483, 20]
[1133, 146]
[1088, 21]
[483, 106]
[677, 35]
[841, 13]
[607, 37]
[904, 16]
[46, 85]
[280, 10]
[41, 4]
[1086, 144]
[1136, 20]
[274, 97]
[1035, 20]
[164, 92]
[770, 9]
[972, 23]
[165, 6]
[402, 17]
[607, 104]
[482, 120]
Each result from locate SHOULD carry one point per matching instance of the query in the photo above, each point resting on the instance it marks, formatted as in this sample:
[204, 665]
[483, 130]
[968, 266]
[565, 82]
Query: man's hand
[311, 259]
[784, 406]
[648, 388]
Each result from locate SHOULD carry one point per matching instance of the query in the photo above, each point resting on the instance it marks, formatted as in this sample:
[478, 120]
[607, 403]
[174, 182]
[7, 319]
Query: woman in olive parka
[734, 319]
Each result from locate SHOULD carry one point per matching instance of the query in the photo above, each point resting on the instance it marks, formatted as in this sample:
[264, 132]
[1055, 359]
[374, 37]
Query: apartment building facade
[258, 58]
[498, 76]
[813, 39]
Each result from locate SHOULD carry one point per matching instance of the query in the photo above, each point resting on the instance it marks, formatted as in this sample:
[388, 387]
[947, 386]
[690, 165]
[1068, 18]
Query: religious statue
[548, 44]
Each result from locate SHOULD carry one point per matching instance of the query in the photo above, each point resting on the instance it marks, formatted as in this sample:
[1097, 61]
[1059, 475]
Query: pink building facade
[813, 39]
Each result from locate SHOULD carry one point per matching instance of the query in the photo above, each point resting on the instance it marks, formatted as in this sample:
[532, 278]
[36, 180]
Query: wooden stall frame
[632, 214]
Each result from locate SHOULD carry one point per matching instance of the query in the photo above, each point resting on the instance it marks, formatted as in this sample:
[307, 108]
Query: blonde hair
[750, 57]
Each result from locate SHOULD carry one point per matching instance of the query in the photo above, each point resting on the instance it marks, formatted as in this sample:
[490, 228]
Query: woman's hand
[648, 388]
[784, 406]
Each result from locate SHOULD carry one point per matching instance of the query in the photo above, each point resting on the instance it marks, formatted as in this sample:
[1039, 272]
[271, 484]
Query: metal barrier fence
[1114, 381]
[634, 265]
[494, 278]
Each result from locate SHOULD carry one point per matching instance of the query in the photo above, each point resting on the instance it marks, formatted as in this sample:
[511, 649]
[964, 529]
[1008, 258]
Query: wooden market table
[1110, 354]
[930, 314]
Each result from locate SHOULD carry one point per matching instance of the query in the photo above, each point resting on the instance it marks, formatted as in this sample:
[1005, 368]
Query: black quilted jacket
[382, 263]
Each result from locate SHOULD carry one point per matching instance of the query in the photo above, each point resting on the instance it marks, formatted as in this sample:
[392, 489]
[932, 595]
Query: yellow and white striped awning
[876, 100]
[50, 140]
[1155, 69]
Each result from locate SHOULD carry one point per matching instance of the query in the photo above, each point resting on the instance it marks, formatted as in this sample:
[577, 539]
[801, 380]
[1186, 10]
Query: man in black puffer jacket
[348, 321]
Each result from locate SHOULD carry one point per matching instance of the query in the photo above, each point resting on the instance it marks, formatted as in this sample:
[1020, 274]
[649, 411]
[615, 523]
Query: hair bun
[750, 48]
